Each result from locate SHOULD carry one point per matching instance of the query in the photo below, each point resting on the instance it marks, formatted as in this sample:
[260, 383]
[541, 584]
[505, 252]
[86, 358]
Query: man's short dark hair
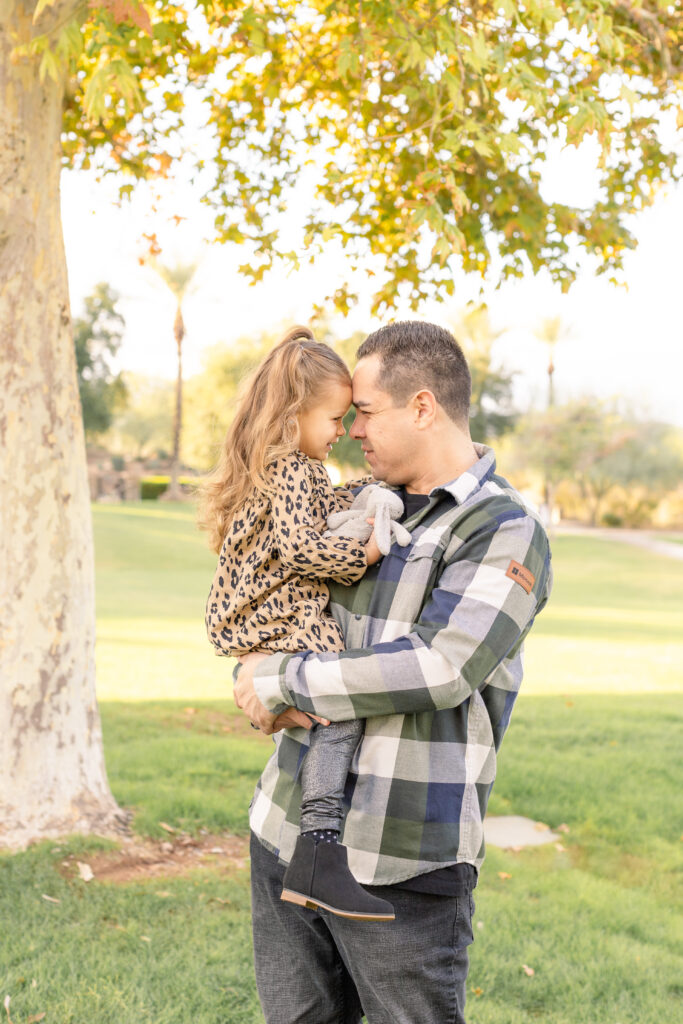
[416, 355]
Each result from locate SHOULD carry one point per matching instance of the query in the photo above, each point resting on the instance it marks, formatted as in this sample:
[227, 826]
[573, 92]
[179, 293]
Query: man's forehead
[364, 382]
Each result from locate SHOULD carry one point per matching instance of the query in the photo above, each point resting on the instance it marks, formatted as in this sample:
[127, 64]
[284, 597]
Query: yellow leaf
[504, 875]
[529, 971]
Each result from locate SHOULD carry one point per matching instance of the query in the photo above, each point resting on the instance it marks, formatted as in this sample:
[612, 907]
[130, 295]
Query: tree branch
[652, 28]
[56, 15]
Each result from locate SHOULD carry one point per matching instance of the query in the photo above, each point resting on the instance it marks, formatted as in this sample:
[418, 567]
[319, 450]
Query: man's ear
[424, 407]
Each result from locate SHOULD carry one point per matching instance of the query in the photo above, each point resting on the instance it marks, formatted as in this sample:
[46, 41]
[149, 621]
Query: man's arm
[477, 614]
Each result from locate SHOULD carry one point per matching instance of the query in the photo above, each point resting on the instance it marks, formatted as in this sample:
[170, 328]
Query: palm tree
[177, 278]
[551, 331]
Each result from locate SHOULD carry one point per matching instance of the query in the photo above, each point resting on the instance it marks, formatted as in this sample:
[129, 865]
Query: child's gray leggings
[324, 772]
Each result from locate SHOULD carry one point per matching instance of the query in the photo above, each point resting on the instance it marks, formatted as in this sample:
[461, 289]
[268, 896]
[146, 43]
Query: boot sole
[289, 896]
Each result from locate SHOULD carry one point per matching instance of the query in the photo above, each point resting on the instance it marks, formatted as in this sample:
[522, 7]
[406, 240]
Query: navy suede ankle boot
[318, 877]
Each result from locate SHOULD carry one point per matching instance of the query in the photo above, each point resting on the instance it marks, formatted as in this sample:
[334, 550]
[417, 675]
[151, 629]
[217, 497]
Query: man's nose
[355, 430]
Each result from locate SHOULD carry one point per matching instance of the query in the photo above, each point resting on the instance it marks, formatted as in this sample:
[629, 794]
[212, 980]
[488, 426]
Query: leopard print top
[269, 593]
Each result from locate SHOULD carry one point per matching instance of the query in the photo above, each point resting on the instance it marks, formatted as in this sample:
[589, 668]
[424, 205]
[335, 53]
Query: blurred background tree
[492, 413]
[607, 465]
[97, 338]
[143, 429]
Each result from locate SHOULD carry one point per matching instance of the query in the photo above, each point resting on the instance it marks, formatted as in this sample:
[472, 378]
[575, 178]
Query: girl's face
[320, 425]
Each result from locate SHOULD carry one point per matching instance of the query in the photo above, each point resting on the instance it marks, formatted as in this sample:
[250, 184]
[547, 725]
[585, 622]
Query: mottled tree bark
[52, 774]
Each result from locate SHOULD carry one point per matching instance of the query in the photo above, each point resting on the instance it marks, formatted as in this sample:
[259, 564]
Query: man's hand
[292, 717]
[246, 699]
[245, 695]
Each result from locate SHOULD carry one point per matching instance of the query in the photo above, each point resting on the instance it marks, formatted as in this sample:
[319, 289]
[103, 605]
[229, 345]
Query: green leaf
[50, 66]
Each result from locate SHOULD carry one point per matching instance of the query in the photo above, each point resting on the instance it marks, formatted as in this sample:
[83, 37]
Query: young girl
[266, 507]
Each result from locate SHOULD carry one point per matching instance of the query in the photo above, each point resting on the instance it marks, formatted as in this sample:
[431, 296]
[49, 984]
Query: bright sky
[621, 342]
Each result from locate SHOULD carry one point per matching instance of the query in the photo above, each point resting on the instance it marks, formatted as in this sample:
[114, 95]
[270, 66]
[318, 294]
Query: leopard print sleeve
[345, 493]
[298, 524]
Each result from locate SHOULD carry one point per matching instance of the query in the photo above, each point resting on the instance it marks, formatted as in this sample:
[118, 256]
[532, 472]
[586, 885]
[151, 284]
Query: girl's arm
[296, 536]
[345, 493]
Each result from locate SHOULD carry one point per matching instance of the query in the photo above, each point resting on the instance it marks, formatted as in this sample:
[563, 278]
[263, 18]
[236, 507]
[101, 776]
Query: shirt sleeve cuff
[269, 683]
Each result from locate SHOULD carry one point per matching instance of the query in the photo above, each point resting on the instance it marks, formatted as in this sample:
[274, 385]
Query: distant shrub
[151, 487]
[612, 519]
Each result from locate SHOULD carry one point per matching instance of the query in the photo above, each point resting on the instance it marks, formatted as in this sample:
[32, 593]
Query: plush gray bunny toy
[373, 502]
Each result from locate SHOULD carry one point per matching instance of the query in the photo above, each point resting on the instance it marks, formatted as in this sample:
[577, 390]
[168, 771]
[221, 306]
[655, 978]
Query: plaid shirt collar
[464, 486]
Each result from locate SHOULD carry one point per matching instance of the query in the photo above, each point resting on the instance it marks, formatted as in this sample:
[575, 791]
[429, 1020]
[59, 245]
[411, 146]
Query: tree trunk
[52, 774]
[174, 492]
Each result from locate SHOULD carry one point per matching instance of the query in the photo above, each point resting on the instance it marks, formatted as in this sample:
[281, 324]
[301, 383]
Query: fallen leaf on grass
[504, 875]
[145, 938]
[50, 899]
[528, 970]
[480, 924]
[35, 1018]
[540, 826]
[217, 899]
[8, 1000]
[163, 894]
[560, 848]
[85, 872]
[478, 991]
[562, 828]
[166, 828]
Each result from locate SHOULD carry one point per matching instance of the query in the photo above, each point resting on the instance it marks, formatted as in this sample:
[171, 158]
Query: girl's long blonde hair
[265, 426]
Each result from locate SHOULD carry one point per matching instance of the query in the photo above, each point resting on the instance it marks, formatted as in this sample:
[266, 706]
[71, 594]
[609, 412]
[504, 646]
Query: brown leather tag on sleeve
[521, 575]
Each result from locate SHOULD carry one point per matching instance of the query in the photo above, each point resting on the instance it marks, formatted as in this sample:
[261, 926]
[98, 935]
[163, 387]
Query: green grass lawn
[611, 626]
[594, 744]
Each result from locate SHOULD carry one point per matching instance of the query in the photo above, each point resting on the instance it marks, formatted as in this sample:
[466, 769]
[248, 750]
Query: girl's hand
[372, 552]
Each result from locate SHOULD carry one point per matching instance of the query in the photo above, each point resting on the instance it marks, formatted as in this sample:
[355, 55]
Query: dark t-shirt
[456, 879]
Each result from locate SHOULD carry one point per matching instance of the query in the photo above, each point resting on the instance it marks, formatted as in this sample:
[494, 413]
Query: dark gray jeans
[316, 968]
[324, 771]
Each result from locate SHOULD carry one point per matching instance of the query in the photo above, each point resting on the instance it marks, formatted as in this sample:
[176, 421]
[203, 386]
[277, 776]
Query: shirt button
[358, 617]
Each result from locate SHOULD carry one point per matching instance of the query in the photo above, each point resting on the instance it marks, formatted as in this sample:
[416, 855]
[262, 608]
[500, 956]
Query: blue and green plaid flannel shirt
[434, 636]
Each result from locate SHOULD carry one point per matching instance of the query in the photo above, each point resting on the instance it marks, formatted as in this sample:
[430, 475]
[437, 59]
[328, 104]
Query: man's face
[387, 433]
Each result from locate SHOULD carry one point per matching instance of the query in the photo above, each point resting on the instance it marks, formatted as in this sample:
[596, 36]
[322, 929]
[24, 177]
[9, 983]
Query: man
[433, 664]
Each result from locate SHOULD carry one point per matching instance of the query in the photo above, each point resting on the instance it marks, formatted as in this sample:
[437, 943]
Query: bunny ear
[383, 529]
[400, 533]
